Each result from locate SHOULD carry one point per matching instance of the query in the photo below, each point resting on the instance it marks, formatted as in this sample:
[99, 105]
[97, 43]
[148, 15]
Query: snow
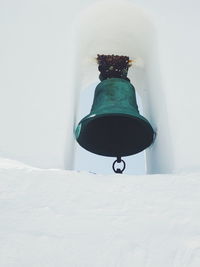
[51, 217]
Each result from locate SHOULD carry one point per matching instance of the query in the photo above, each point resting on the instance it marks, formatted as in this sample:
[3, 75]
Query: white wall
[37, 76]
[177, 26]
[63, 218]
[36, 97]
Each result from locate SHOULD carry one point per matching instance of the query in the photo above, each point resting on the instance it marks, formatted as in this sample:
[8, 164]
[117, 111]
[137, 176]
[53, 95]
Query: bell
[114, 127]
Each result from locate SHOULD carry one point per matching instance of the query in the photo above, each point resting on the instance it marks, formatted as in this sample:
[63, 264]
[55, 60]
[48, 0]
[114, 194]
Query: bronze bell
[114, 127]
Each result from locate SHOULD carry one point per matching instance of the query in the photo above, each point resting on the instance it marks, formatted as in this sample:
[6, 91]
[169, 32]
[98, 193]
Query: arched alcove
[121, 28]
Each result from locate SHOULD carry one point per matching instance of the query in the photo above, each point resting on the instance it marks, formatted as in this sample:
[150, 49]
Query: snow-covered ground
[57, 218]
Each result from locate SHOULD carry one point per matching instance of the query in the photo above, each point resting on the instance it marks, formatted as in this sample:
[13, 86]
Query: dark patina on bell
[114, 127]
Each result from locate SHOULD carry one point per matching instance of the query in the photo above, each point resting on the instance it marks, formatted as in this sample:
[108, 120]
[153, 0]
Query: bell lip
[144, 122]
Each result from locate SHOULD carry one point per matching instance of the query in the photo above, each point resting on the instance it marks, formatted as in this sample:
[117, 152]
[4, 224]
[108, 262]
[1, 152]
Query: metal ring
[119, 170]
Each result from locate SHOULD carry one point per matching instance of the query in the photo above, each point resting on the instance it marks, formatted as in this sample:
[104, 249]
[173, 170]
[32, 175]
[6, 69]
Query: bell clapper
[118, 170]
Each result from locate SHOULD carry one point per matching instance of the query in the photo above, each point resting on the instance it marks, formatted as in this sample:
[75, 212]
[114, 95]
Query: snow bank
[62, 218]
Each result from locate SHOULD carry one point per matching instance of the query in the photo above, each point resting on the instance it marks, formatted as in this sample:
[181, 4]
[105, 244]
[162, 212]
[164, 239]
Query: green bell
[114, 127]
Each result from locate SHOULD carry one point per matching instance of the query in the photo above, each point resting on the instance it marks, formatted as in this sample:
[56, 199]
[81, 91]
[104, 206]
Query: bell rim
[143, 121]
